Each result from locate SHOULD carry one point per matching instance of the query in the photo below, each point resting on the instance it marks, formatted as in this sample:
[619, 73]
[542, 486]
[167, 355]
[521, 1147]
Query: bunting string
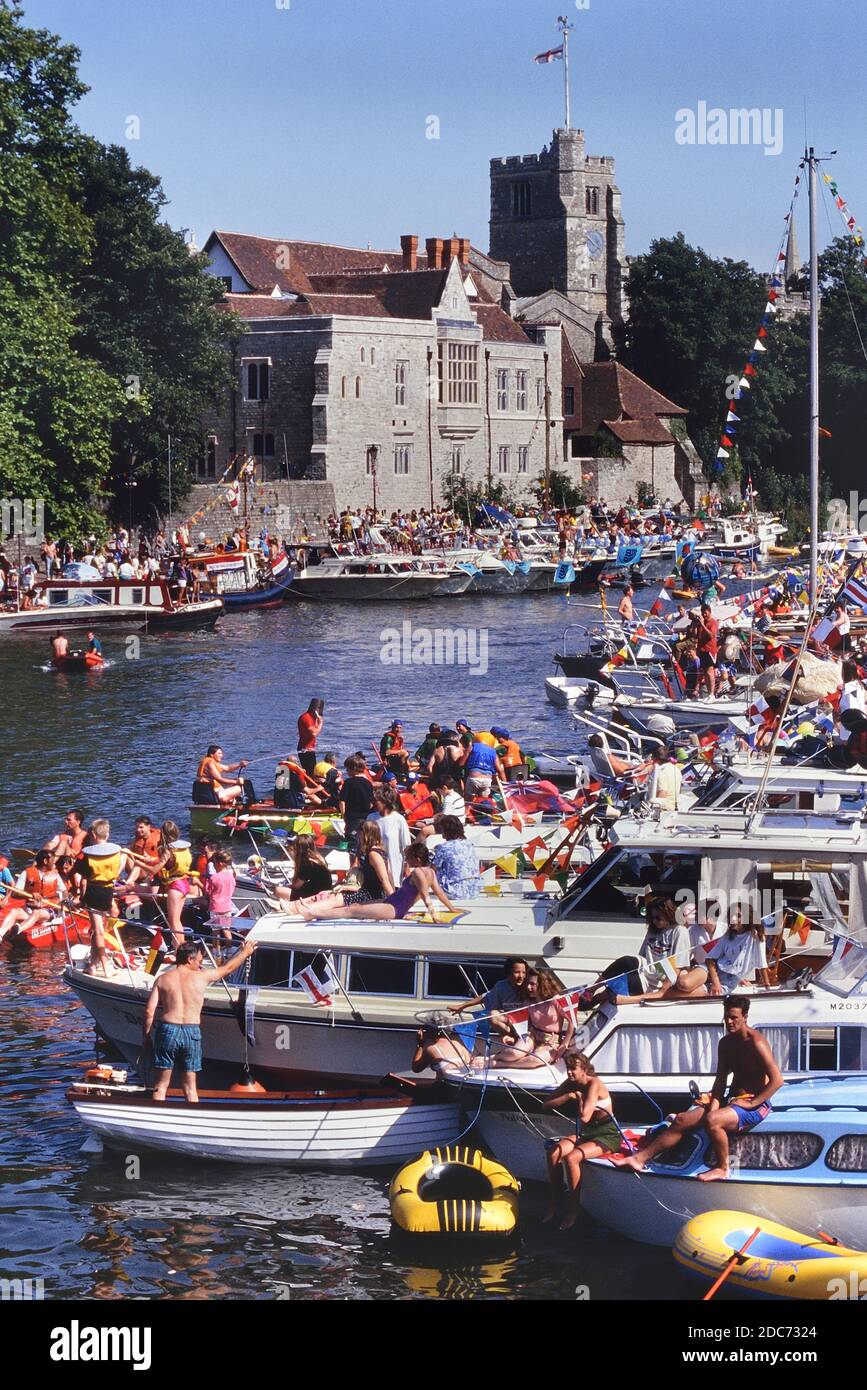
[852, 228]
[728, 439]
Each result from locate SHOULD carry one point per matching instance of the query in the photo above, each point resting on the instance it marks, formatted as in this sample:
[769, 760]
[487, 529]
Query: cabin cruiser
[71, 602]
[390, 971]
[804, 1166]
[387, 576]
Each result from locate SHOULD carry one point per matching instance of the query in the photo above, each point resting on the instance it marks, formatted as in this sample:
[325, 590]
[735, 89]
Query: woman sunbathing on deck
[420, 882]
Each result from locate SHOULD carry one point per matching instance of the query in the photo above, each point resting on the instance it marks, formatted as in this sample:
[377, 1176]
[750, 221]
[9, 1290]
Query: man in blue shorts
[179, 993]
[745, 1056]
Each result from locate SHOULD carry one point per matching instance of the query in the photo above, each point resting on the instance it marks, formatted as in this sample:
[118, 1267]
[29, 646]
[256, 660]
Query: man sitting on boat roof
[755, 1077]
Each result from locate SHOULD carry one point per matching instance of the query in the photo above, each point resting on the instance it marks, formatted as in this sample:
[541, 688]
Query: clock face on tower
[595, 243]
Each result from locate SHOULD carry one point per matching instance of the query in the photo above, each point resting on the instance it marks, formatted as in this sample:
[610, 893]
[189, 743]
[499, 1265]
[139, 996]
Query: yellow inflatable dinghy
[454, 1191]
[779, 1263]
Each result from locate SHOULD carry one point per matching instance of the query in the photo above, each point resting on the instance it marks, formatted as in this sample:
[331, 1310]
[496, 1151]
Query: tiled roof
[407, 294]
[263, 306]
[612, 392]
[497, 327]
[361, 305]
[357, 290]
[647, 431]
[268, 261]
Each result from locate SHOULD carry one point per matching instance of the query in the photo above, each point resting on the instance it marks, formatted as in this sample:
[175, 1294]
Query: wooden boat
[244, 579]
[79, 661]
[777, 1263]
[315, 1128]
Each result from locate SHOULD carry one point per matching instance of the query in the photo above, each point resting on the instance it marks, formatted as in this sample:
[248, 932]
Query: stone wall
[283, 508]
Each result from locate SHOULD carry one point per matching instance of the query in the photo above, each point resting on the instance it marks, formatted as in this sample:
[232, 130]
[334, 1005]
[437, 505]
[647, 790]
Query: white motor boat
[65, 603]
[360, 578]
[804, 1166]
[320, 1129]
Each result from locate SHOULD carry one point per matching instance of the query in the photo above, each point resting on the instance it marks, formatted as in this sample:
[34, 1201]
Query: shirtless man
[212, 771]
[180, 994]
[625, 607]
[743, 1054]
[70, 839]
[59, 645]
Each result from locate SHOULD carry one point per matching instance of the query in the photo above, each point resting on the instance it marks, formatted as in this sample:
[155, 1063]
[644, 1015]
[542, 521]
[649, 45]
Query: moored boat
[805, 1166]
[69, 602]
[317, 1128]
[775, 1263]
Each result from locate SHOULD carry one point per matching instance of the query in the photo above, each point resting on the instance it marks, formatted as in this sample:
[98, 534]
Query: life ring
[779, 1263]
[455, 1191]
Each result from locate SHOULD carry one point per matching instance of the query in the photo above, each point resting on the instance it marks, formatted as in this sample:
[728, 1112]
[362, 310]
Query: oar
[730, 1264]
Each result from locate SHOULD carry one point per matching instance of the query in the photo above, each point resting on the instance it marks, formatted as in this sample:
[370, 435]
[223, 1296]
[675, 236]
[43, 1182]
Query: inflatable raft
[779, 1263]
[455, 1191]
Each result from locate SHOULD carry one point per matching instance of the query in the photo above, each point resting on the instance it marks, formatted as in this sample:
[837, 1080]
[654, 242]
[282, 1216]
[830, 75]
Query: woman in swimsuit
[375, 886]
[549, 1032]
[443, 1054]
[420, 882]
[596, 1133]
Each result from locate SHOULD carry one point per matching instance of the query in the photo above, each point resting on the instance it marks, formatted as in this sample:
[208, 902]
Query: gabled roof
[403, 294]
[611, 392]
[650, 430]
[609, 395]
[268, 261]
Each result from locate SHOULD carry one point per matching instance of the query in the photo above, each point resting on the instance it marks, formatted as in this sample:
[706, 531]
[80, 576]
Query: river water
[125, 741]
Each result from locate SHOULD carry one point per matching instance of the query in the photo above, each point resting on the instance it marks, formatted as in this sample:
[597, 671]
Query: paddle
[734, 1259]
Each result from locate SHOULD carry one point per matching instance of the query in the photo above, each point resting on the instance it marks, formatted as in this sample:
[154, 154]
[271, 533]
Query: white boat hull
[651, 1207]
[309, 1136]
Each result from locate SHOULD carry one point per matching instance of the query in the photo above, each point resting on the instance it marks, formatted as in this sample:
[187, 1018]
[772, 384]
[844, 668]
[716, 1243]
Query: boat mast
[812, 162]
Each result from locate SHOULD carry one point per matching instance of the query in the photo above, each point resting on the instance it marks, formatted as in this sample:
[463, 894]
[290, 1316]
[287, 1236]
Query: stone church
[378, 374]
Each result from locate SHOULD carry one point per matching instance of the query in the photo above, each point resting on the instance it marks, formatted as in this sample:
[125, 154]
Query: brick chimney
[409, 247]
[451, 249]
[434, 248]
[464, 250]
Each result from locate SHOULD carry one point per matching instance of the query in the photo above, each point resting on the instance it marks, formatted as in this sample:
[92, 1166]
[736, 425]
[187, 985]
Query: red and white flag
[549, 56]
[826, 633]
[659, 603]
[760, 712]
[855, 591]
[318, 980]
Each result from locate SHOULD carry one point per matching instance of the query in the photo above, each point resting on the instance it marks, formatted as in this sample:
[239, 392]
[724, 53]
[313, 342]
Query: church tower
[556, 218]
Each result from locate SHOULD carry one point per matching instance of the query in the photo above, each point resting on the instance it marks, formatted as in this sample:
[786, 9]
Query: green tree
[563, 490]
[148, 315]
[693, 321]
[56, 404]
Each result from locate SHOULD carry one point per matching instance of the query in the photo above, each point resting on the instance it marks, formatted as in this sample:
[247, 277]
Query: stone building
[556, 220]
[622, 437]
[380, 372]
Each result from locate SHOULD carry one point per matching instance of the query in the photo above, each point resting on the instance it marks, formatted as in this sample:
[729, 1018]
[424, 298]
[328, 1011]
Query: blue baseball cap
[499, 732]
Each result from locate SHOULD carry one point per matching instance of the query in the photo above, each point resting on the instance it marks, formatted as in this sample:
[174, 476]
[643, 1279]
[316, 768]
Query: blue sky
[307, 118]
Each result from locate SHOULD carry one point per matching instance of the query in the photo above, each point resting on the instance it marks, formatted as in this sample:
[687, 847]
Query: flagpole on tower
[565, 26]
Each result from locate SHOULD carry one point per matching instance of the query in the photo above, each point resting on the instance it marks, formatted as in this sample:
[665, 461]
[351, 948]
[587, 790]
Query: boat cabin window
[101, 596]
[447, 979]
[273, 967]
[382, 975]
[138, 595]
[848, 1154]
[57, 596]
[770, 1151]
[613, 882]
